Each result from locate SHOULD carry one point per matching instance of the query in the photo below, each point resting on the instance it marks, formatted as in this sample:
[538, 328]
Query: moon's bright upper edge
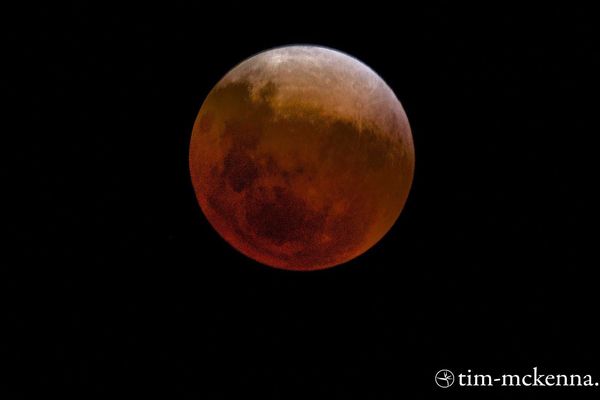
[337, 84]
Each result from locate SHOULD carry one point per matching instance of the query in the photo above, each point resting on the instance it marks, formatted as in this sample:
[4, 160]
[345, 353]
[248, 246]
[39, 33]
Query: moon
[301, 157]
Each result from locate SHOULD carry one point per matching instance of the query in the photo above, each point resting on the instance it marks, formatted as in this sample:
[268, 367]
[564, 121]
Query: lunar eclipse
[301, 157]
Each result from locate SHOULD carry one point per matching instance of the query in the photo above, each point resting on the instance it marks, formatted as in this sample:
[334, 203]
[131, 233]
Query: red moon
[301, 157]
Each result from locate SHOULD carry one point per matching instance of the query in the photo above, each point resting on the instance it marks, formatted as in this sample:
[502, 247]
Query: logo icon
[444, 378]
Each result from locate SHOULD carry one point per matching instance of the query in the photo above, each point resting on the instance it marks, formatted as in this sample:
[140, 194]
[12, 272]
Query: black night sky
[116, 284]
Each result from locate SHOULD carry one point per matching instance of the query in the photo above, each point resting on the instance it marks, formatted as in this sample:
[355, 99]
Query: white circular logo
[444, 378]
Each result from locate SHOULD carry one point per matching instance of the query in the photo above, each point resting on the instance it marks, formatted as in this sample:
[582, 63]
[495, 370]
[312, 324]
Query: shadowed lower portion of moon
[295, 187]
